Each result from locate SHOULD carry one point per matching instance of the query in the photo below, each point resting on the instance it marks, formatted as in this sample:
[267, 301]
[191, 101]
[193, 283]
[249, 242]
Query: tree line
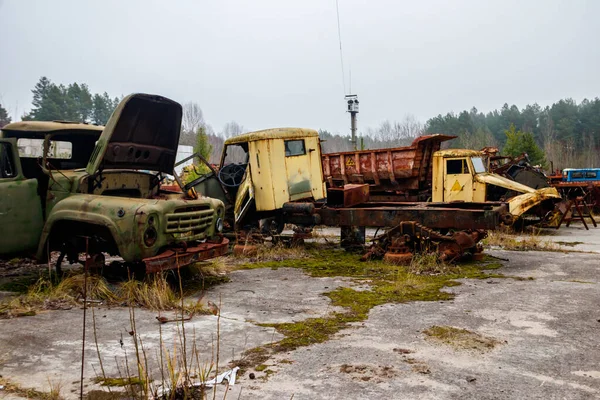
[74, 102]
[565, 134]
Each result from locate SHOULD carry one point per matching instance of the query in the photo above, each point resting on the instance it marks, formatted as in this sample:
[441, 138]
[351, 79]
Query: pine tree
[4, 117]
[48, 102]
[79, 103]
[102, 108]
[202, 144]
[518, 142]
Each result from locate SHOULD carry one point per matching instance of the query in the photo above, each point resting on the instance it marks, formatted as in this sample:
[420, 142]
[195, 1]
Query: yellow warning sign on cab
[456, 187]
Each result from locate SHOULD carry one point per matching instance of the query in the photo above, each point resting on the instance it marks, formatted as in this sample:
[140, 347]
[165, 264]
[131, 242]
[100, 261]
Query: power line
[337, 9]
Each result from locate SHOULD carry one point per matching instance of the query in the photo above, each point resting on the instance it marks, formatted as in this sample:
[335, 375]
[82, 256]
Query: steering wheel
[232, 175]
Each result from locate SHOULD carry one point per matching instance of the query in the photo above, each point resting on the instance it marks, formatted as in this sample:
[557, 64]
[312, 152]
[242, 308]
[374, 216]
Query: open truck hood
[142, 133]
[493, 179]
[520, 204]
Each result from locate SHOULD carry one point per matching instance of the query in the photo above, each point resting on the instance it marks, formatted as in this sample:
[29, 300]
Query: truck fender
[66, 215]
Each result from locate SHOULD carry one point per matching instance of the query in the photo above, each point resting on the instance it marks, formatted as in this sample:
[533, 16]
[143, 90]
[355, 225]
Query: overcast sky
[268, 63]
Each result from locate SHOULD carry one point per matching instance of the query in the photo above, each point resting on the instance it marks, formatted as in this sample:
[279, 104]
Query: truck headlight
[219, 225]
[150, 236]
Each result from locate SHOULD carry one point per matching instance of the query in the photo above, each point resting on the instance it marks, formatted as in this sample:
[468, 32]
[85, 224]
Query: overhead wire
[337, 9]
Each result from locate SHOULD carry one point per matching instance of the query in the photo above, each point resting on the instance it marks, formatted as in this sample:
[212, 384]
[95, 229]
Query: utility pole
[352, 101]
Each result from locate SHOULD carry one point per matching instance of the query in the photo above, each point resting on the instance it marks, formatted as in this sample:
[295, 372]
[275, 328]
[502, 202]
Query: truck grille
[189, 222]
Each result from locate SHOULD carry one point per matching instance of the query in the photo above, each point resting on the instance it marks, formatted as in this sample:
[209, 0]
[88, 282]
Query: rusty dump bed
[399, 169]
[456, 216]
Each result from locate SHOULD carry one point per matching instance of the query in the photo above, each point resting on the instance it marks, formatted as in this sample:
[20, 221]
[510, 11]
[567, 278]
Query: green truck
[78, 188]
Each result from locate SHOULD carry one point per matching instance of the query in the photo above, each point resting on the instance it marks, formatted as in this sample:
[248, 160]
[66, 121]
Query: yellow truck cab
[261, 171]
[461, 175]
[453, 176]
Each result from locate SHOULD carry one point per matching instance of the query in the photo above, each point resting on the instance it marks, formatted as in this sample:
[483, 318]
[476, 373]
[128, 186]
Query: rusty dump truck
[78, 188]
[423, 172]
[272, 177]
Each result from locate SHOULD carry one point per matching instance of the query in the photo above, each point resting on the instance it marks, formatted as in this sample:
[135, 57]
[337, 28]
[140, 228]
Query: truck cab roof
[39, 129]
[275, 133]
[457, 153]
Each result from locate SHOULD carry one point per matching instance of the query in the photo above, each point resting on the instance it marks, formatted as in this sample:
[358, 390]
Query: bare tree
[409, 128]
[232, 129]
[192, 118]
[396, 133]
[476, 140]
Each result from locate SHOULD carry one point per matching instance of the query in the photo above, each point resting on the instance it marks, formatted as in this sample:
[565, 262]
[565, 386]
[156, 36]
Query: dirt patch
[17, 274]
[402, 351]
[569, 244]
[461, 339]
[369, 372]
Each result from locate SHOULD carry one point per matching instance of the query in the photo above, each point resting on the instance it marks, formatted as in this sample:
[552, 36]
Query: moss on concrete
[387, 284]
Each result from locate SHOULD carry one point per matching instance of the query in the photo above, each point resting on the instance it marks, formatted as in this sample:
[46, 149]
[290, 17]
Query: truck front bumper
[177, 258]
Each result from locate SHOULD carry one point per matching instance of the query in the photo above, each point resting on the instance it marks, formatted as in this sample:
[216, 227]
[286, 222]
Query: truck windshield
[478, 164]
[235, 154]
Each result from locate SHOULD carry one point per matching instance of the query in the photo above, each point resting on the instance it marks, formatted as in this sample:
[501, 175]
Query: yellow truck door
[458, 181]
[298, 167]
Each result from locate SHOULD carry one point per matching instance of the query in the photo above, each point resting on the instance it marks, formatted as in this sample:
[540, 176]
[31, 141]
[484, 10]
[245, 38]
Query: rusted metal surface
[400, 169]
[141, 134]
[176, 258]
[575, 209]
[590, 191]
[518, 169]
[458, 216]
[299, 208]
[398, 244]
[348, 196]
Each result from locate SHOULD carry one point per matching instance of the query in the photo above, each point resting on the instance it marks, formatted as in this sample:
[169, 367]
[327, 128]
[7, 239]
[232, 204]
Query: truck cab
[581, 174]
[261, 171]
[461, 175]
[25, 180]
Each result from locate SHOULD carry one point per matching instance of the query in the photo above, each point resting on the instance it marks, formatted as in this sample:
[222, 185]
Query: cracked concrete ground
[547, 329]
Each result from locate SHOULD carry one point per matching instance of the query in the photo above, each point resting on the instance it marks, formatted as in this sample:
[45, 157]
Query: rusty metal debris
[175, 258]
[404, 171]
[398, 244]
[575, 209]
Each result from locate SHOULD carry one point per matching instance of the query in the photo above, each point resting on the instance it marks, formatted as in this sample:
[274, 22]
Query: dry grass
[429, 264]
[46, 295]
[154, 293]
[273, 252]
[17, 390]
[523, 242]
[409, 283]
[213, 267]
[461, 338]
